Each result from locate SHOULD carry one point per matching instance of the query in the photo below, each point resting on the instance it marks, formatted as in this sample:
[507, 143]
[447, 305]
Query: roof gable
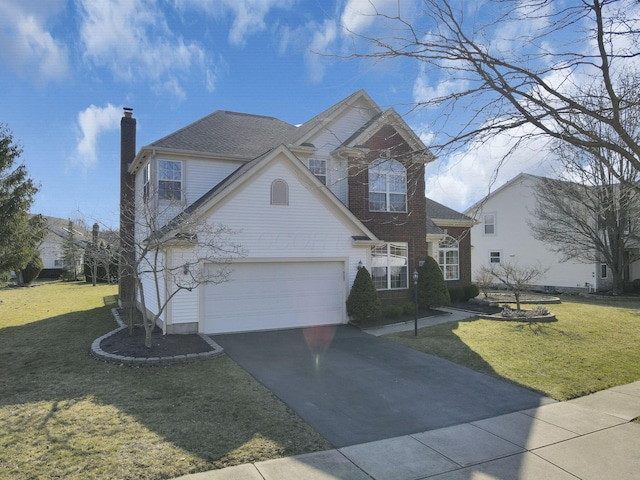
[242, 177]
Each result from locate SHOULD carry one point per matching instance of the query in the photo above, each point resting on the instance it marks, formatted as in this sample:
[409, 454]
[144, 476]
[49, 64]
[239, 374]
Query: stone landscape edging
[539, 318]
[97, 352]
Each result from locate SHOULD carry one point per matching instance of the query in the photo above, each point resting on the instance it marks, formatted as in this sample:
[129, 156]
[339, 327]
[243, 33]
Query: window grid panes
[449, 258]
[494, 257]
[319, 168]
[490, 224]
[146, 179]
[169, 180]
[387, 186]
[390, 266]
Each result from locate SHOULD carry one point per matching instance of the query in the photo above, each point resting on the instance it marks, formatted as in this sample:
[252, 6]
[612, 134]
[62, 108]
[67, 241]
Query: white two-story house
[308, 204]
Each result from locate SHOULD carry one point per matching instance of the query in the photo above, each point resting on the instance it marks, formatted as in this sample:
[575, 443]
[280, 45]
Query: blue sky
[68, 67]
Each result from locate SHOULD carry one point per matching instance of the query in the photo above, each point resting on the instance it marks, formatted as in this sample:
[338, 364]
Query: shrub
[392, 311]
[432, 290]
[363, 302]
[539, 311]
[471, 291]
[456, 294]
[32, 270]
[409, 308]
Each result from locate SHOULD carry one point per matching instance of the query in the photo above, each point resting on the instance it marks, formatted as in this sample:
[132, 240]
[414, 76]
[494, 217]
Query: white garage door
[263, 296]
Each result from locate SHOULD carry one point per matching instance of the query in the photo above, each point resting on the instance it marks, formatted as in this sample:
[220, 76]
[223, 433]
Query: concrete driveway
[353, 388]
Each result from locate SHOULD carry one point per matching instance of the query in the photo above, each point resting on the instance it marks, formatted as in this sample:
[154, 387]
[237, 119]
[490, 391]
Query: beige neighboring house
[502, 234]
[51, 250]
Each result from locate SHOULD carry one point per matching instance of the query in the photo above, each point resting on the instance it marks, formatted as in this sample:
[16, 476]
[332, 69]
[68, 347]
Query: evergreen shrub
[31, 271]
[363, 302]
[432, 289]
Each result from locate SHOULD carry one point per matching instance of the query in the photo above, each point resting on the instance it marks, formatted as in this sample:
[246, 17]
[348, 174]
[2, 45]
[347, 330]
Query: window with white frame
[389, 266]
[495, 256]
[58, 262]
[169, 180]
[603, 270]
[146, 181]
[319, 168]
[489, 223]
[387, 186]
[449, 258]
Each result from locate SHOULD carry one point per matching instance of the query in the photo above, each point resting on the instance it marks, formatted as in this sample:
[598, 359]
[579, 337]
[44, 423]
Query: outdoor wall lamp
[359, 264]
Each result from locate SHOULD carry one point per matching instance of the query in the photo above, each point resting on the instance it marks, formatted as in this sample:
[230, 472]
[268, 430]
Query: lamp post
[415, 302]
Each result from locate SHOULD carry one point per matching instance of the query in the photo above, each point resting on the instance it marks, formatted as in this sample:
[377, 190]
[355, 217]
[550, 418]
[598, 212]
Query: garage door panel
[261, 296]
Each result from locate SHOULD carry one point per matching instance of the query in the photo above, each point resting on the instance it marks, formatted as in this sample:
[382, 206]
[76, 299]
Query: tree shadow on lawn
[441, 340]
[212, 409]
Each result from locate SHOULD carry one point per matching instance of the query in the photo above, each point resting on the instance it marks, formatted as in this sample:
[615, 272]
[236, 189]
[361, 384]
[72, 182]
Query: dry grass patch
[593, 346]
[67, 415]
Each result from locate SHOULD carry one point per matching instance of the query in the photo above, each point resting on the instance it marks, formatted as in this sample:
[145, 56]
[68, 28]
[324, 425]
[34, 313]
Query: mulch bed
[477, 307]
[121, 343]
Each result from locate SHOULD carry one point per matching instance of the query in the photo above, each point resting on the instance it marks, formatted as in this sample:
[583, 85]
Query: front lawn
[593, 346]
[66, 415]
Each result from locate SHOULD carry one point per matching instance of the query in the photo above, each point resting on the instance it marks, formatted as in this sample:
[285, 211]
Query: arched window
[279, 192]
[387, 186]
[449, 258]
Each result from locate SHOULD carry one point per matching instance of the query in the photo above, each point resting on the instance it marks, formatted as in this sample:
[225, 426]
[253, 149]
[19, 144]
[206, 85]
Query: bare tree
[589, 215]
[524, 67]
[175, 250]
[517, 278]
[484, 279]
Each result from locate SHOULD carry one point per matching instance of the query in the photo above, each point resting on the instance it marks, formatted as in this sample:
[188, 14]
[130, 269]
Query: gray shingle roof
[229, 133]
[439, 211]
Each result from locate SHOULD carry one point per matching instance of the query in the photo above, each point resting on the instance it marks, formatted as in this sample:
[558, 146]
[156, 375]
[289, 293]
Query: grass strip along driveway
[66, 415]
[594, 345]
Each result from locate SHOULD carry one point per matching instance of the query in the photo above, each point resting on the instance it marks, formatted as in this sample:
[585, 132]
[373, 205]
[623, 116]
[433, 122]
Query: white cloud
[27, 46]
[248, 15]
[132, 39]
[92, 123]
[460, 180]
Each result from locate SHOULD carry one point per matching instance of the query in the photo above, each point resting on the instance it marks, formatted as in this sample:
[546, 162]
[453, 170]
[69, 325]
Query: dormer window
[279, 192]
[319, 168]
[169, 180]
[387, 186]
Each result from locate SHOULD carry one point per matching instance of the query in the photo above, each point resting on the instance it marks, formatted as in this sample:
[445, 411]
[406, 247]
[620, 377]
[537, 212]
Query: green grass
[66, 415]
[593, 346]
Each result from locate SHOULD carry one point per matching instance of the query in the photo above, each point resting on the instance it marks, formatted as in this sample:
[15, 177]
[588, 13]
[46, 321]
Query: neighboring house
[309, 203]
[449, 242]
[51, 248]
[503, 235]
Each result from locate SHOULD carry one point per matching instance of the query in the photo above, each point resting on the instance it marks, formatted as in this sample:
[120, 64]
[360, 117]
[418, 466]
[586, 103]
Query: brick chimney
[126, 285]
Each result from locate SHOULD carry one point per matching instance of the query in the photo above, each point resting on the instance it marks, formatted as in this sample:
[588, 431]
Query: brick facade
[409, 227]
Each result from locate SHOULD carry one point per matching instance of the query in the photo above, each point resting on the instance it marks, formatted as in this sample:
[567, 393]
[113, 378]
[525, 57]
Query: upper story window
[389, 266]
[449, 258]
[489, 223]
[279, 192]
[387, 186]
[146, 181]
[169, 180]
[319, 168]
[495, 256]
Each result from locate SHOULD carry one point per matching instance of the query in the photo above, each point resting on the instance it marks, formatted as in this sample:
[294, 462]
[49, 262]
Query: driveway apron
[353, 388]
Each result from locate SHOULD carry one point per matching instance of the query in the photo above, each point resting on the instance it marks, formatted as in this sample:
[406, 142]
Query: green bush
[392, 311]
[32, 270]
[471, 291]
[409, 308]
[456, 294]
[432, 290]
[363, 302]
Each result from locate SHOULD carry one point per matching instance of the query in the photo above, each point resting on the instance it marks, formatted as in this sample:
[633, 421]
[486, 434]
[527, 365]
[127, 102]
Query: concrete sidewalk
[587, 438]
